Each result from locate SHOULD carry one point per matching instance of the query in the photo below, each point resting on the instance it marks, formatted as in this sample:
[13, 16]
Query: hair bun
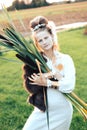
[38, 22]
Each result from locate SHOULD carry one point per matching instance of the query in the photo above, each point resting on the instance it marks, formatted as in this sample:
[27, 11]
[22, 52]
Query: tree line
[22, 5]
[34, 4]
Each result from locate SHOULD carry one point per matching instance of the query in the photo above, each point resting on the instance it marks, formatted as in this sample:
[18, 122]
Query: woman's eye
[46, 38]
[40, 41]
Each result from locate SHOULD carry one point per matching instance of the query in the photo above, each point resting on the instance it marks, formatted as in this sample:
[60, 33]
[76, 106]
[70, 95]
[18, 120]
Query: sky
[8, 3]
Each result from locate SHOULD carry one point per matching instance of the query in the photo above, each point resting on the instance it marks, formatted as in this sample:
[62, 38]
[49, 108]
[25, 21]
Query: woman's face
[44, 39]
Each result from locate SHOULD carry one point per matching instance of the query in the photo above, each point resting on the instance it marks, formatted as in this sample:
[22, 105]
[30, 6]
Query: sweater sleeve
[67, 83]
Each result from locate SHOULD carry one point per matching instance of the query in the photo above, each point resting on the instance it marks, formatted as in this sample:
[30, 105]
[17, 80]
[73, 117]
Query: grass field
[13, 107]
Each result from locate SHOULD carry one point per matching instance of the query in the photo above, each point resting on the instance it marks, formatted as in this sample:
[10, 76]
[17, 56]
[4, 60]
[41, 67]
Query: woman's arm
[67, 83]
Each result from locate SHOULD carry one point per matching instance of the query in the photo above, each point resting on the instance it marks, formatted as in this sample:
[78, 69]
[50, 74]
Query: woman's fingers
[32, 83]
[34, 76]
[31, 79]
[38, 79]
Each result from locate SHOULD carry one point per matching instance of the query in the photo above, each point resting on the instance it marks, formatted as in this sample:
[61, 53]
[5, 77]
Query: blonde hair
[41, 23]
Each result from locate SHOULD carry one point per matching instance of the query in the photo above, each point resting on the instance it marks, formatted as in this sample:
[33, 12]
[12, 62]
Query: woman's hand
[38, 79]
[55, 75]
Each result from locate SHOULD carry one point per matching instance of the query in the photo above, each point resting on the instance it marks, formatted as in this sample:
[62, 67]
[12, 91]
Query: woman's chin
[47, 48]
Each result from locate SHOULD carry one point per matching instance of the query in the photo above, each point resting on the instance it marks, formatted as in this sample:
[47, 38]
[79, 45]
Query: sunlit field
[59, 13]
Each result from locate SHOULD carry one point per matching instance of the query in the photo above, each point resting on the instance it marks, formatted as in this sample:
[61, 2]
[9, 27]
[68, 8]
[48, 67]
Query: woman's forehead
[40, 34]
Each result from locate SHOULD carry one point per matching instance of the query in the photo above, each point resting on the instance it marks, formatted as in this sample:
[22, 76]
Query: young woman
[63, 75]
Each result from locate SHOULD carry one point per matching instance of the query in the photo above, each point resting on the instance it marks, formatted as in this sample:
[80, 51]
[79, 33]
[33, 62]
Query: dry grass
[60, 14]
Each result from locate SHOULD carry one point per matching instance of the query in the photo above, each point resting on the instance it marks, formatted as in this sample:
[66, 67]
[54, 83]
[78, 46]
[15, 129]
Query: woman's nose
[44, 41]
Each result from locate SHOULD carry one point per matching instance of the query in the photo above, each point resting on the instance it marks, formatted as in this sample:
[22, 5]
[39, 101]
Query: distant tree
[38, 3]
[18, 5]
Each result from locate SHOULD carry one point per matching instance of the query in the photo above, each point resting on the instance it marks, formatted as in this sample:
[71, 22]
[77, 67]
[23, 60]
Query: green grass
[13, 107]
[74, 43]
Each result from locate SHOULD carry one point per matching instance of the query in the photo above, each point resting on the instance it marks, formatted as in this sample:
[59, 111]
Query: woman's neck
[49, 53]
